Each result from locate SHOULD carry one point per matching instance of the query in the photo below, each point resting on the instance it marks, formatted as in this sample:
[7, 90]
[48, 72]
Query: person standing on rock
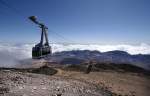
[89, 67]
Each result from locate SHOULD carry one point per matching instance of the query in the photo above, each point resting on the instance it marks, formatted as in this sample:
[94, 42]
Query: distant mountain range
[117, 57]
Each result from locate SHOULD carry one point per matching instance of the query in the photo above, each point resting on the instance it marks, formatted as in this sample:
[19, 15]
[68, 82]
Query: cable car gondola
[41, 49]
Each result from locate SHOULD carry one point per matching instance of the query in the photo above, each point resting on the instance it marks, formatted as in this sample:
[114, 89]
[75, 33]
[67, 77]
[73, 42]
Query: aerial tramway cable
[20, 13]
[11, 8]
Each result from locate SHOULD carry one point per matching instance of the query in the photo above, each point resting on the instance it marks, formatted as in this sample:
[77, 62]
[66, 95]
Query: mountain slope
[116, 57]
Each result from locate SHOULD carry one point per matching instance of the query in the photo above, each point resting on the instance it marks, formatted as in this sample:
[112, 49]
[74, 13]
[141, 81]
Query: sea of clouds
[10, 54]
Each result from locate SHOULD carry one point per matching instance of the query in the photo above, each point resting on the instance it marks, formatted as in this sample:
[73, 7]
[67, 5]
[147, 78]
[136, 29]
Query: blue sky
[79, 21]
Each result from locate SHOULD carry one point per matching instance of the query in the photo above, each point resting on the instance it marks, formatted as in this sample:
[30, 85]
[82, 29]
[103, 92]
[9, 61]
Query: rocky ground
[119, 84]
[67, 81]
[13, 83]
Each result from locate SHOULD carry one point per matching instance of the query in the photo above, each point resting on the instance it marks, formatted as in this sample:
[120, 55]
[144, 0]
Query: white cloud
[132, 49]
[10, 54]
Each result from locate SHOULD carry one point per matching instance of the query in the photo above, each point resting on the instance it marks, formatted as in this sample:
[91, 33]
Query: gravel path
[29, 84]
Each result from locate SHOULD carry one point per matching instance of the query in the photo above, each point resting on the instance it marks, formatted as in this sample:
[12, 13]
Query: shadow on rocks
[44, 70]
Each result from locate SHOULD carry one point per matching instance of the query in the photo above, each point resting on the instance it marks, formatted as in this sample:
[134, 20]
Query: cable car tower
[41, 49]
